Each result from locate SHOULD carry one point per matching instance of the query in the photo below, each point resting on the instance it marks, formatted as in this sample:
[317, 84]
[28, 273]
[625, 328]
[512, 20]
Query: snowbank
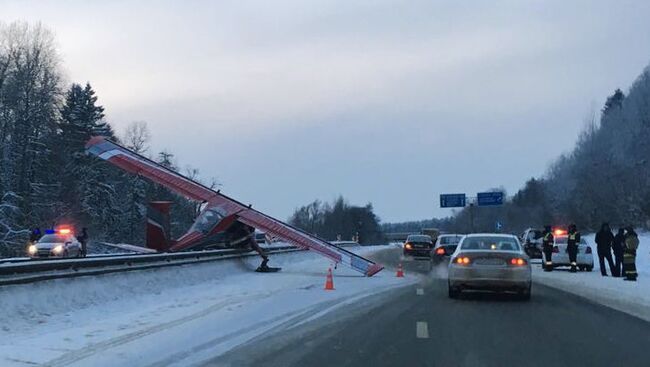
[629, 297]
[171, 316]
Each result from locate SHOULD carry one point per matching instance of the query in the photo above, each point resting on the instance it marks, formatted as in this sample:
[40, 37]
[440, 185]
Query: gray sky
[389, 102]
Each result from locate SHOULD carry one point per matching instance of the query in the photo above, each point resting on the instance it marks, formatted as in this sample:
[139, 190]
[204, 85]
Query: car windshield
[54, 238]
[490, 243]
[449, 240]
[562, 240]
[419, 238]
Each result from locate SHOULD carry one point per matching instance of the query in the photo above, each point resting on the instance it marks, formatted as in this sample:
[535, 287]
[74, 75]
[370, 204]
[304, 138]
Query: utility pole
[471, 216]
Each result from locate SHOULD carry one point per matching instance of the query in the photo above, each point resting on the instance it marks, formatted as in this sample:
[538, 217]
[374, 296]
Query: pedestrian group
[624, 246]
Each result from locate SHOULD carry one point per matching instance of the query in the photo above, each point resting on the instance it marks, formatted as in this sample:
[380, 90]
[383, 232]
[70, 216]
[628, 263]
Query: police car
[560, 256]
[60, 243]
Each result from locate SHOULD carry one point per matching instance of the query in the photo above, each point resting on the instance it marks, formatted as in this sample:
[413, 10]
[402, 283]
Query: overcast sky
[389, 102]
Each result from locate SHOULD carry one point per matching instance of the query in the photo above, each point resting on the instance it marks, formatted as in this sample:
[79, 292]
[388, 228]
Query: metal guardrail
[30, 272]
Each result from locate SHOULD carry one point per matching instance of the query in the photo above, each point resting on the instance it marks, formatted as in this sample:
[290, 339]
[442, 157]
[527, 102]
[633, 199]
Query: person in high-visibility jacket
[572, 247]
[547, 246]
[629, 254]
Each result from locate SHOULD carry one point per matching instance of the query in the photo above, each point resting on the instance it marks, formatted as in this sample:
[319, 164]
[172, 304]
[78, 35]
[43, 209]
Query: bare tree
[137, 137]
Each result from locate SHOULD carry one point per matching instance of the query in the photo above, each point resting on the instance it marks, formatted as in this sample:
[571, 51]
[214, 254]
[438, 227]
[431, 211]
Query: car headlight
[32, 249]
[57, 249]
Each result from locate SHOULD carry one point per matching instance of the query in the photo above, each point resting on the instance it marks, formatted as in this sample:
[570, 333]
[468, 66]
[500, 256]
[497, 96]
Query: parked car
[492, 262]
[560, 256]
[532, 241]
[55, 244]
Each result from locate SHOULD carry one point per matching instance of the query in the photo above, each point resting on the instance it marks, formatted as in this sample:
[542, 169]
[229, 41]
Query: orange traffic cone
[329, 283]
[400, 272]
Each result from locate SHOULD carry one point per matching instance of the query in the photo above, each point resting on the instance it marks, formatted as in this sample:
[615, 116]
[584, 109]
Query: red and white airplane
[220, 216]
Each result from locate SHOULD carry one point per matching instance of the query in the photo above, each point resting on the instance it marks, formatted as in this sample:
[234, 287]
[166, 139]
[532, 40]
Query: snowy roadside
[171, 316]
[629, 297]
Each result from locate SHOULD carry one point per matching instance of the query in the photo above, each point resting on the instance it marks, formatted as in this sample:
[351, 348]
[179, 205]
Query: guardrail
[39, 270]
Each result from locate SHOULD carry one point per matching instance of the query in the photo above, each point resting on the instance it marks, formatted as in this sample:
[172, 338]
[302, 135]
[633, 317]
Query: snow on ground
[630, 297]
[171, 316]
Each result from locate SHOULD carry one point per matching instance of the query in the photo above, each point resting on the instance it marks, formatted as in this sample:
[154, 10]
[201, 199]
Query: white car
[55, 244]
[494, 262]
[560, 257]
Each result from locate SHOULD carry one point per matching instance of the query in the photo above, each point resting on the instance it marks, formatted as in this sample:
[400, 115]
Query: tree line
[339, 220]
[46, 179]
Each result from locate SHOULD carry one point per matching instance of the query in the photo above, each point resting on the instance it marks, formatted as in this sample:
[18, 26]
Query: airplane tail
[158, 226]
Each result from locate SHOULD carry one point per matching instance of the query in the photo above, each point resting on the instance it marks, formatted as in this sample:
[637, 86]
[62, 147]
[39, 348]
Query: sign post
[489, 198]
[453, 200]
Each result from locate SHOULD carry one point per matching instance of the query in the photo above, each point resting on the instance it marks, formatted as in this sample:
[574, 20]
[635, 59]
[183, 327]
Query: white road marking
[422, 330]
[419, 292]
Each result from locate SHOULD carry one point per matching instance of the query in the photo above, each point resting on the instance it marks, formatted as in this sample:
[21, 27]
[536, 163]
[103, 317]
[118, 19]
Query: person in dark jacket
[83, 239]
[547, 246]
[572, 247]
[35, 235]
[604, 239]
[618, 245]
[629, 255]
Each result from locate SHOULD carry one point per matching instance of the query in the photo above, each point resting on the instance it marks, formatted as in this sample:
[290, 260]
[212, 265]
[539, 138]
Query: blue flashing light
[50, 231]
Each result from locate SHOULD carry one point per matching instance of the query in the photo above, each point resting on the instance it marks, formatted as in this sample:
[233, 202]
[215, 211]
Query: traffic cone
[400, 272]
[329, 283]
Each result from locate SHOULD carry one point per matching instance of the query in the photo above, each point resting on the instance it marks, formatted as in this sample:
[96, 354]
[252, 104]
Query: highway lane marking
[422, 330]
[419, 292]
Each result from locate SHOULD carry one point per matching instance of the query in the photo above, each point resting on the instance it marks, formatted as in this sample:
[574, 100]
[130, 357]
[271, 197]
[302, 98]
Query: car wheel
[524, 294]
[453, 292]
[590, 268]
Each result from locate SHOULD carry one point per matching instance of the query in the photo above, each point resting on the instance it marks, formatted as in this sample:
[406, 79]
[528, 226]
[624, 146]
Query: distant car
[492, 262]
[445, 246]
[55, 244]
[532, 241]
[418, 245]
[560, 256]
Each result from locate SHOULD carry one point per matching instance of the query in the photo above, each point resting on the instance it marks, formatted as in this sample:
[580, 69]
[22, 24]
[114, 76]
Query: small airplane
[221, 219]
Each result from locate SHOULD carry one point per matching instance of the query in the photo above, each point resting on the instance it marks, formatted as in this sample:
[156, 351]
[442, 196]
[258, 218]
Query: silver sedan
[494, 262]
[59, 244]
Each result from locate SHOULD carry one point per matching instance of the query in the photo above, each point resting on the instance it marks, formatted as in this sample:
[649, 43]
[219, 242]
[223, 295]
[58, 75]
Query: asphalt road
[420, 326]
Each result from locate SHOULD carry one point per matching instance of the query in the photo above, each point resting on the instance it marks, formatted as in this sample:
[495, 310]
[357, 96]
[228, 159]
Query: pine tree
[88, 185]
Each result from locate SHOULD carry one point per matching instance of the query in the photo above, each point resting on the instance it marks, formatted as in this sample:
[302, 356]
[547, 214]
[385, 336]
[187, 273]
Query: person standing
[604, 239]
[572, 247]
[83, 239]
[618, 245]
[547, 246]
[629, 254]
[35, 235]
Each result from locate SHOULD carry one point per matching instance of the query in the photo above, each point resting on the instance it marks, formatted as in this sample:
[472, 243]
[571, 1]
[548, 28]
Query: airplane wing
[139, 165]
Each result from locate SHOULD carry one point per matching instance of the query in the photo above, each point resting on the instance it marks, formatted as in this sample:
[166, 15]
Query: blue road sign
[452, 200]
[498, 226]
[489, 198]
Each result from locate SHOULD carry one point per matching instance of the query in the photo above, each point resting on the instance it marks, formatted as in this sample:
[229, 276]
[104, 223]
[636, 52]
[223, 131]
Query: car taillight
[588, 250]
[556, 250]
[463, 260]
[517, 261]
[408, 246]
[440, 251]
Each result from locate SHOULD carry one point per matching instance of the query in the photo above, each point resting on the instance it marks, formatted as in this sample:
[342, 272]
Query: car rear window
[54, 238]
[490, 243]
[562, 240]
[449, 240]
[419, 238]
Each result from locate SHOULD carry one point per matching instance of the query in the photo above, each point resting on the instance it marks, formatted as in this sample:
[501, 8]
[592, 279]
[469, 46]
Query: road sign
[452, 200]
[489, 198]
[498, 226]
